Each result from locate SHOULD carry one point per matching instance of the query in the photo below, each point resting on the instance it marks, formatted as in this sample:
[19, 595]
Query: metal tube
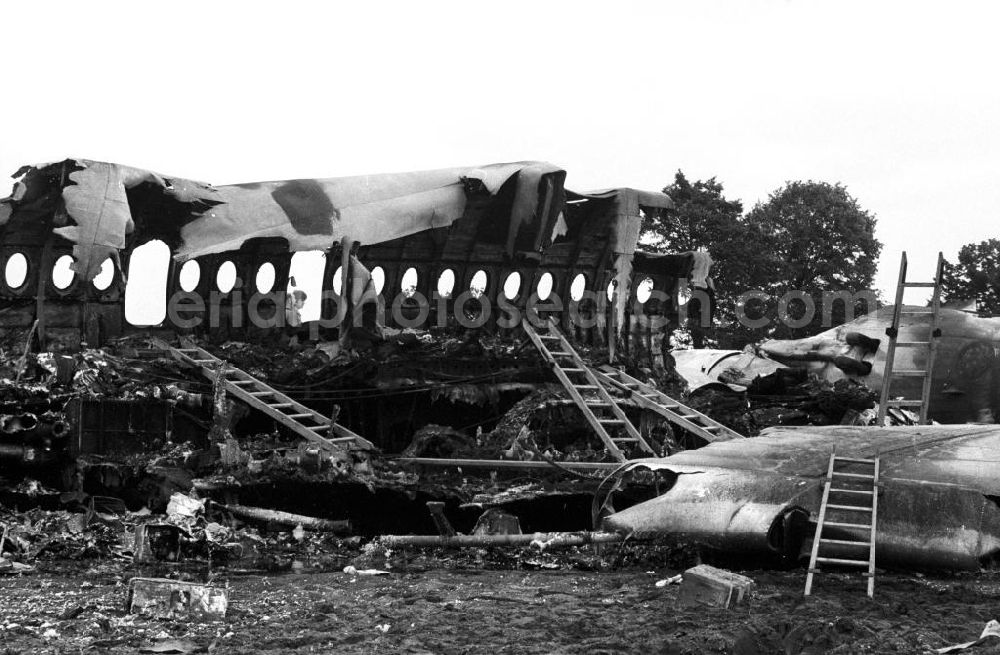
[339, 527]
[546, 539]
[506, 463]
[13, 423]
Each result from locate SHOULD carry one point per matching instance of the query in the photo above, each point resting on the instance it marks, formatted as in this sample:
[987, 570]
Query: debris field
[400, 468]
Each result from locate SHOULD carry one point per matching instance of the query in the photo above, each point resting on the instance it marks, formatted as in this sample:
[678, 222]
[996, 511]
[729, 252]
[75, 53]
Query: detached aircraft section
[399, 254]
[503, 230]
[937, 501]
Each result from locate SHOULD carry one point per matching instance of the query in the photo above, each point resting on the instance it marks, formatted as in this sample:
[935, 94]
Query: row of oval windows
[511, 285]
[16, 270]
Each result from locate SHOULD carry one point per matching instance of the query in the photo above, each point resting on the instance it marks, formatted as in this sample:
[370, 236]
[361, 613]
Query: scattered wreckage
[74, 239]
[233, 393]
[234, 424]
[962, 386]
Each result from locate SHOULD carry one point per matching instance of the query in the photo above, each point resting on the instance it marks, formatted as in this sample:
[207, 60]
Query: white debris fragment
[182, 507]
[350, 570]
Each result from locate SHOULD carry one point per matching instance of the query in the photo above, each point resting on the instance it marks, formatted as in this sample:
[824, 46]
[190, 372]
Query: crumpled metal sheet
[178, 600]
[937, 507]
[629, 204]
[624, 232]
[627, 200]
[94, 196]
[736, 369]
[710, 506]
[965, 385]
[311, 214]
[95, 199]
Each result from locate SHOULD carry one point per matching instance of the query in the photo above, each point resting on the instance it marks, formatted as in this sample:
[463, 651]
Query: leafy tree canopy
[808, 238]
[976, 276]
[700, 217]
[816, 239]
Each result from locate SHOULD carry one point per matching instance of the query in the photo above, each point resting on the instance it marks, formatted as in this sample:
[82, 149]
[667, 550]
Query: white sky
[900, 101]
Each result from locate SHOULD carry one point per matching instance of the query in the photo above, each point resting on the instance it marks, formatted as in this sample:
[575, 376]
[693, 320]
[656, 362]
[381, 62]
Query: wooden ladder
[293, 415]
[650, 398]
[582, 384]
[855, 495]
[922, 405]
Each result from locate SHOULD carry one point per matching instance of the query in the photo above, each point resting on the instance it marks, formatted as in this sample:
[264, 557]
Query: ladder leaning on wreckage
[293, 415]
[850, 496]
[929, 345]
[862, 487]
[599, 392]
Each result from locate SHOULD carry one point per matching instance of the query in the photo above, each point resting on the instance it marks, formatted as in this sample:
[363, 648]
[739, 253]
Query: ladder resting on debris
[599, 408]
[850, 497]
[293, 415]
[604, 390]
[650, 398]
[890, 374]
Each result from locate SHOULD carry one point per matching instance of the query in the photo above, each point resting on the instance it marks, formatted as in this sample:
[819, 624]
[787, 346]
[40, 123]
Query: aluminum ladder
[650, 398]
[855, 496]
[886, 403]
[583, 384]
[293, 415]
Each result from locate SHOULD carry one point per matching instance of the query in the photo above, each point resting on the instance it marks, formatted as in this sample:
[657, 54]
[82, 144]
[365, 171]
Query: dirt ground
[74, 607]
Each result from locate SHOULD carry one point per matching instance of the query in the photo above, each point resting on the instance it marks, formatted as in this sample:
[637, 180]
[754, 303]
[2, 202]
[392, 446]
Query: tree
[976, 276]
[808, 239]
[703, 219]
[814, 238]
[701, 215]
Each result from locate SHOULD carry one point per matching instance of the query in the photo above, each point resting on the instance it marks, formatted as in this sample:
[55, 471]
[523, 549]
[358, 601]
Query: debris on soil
[708, 585]
[382, 487]
[175, 599]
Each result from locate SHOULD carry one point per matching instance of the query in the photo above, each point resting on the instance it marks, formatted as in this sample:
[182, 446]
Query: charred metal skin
[937, 504]
[14, 423]
[25, 441]
[501, 232]
[965, 385]
[732, 369]
[716, 508]
[509, 225]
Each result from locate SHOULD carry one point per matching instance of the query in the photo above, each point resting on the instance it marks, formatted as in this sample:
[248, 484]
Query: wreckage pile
[174, 455]
[109, 439]
[130, 422]
[174, 490]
